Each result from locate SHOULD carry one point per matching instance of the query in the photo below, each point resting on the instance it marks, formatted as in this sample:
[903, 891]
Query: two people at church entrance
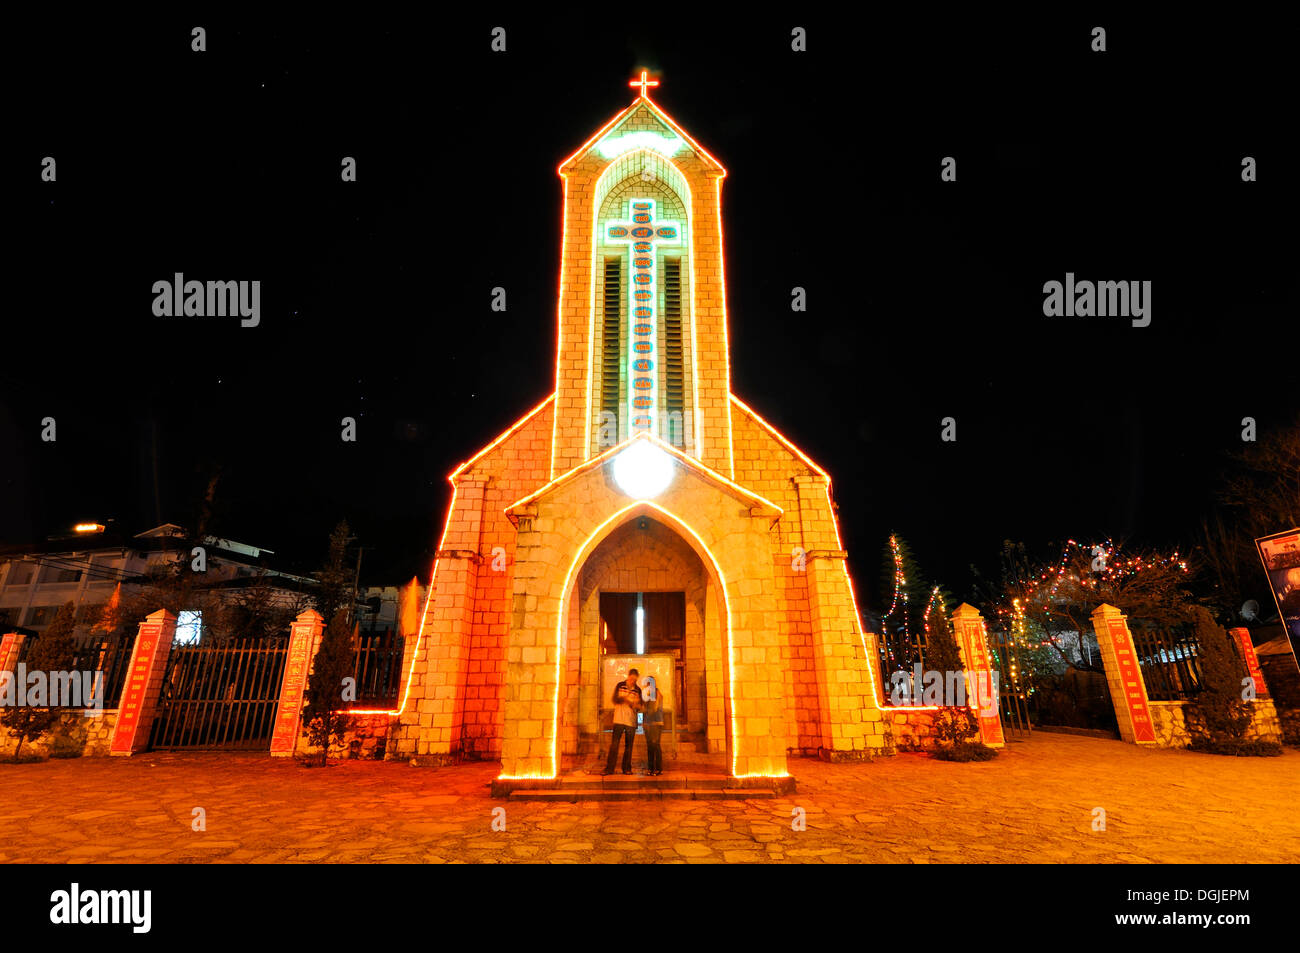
[634, 696]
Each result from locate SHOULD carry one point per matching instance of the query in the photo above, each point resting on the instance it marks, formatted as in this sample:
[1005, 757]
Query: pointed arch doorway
[644, 598]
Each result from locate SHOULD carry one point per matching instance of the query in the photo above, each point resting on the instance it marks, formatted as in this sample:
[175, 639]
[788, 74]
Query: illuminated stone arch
[712, 601]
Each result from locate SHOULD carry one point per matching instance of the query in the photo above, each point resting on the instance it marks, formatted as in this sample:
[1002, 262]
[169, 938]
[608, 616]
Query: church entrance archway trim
[697, 543]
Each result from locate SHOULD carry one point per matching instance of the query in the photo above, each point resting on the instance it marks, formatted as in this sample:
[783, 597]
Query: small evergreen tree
[1219, 716]
[55, 650]
[955, 729]
[325, 718]
[336, 579]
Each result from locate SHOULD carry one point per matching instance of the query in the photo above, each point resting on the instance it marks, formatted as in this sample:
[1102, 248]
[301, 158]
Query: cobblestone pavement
[1032, 804]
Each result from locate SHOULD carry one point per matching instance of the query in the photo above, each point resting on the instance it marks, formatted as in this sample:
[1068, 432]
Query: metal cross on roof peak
[643, 82]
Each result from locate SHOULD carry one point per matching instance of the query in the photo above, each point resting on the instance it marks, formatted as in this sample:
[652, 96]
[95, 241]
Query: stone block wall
[366, 738]
[1170, 722]
[92, 735]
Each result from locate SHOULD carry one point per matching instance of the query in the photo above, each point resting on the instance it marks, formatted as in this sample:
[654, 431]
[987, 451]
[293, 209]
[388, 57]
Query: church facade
[641, 510]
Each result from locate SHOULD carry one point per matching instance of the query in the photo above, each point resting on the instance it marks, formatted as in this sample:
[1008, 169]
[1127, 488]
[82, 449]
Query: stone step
[685, 793]
[620, 788]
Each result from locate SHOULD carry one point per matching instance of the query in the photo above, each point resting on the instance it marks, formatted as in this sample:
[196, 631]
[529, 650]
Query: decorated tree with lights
[909, 596]
[1057, 600]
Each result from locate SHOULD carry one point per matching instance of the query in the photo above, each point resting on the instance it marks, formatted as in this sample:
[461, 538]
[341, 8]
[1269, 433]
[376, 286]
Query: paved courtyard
[1035, 804]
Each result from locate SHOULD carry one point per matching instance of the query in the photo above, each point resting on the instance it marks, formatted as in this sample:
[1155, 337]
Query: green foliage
[917, 587]
[325, 718]
[1237, 748]
[337, 579]
[1218, 714]
[68, 738]
[955, 727]
[256, 613]
[54, 650]
[966, 751]
[941, 651]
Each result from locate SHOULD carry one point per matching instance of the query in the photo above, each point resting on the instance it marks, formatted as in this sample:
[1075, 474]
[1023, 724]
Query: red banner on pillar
[979, 679]
[143, 682]
[1247, 648]
[1130, 676]
[288, 712]
[10, 646]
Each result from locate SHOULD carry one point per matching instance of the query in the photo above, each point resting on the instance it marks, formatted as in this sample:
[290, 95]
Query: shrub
[53, 651]
[1218, 717]
[324, 718]
[966, 751]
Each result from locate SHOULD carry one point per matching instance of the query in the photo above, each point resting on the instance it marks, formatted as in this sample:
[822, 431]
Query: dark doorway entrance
[637, 623]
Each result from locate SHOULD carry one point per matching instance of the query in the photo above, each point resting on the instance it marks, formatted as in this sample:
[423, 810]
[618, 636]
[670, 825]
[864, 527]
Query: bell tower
[642, 315]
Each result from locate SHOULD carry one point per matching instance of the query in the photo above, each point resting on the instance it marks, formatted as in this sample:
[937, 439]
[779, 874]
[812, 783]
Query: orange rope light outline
[844, 562]
[786, 442]
[433, 575]
[698, 427]
[500, 439]
[857, 617]
[579, 558]
[428, 598]
[686, 460]
[689, 246]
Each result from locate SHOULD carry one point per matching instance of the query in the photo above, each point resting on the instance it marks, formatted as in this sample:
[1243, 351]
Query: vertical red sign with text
[289, 711]
[979, 678]
[135, 693]
[1248, 655]
[1130, 675]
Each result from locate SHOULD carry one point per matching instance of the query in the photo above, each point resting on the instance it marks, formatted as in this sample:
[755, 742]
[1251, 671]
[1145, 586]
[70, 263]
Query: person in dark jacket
[653, 717]
[627, 702]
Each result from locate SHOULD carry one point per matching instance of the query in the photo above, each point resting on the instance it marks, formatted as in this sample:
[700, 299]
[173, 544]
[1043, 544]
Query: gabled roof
[641, 106]
[749, 497]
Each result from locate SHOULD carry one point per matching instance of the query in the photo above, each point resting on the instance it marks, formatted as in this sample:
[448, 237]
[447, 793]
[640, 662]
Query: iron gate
[1013, 685]
[220, 694]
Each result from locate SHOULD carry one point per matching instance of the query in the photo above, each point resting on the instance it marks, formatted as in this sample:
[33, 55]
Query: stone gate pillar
[981, 688]
[1128, 690]
[304, 641]
[139, 705]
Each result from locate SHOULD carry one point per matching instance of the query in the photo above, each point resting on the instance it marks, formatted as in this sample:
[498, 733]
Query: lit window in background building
[189, 626]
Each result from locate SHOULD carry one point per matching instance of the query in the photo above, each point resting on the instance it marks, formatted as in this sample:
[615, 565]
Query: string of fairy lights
[1108, 566]
[900, 591]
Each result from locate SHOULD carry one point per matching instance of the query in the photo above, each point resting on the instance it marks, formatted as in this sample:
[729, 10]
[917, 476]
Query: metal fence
[220, 694]
[1170, 661]
[1013, 683]
[378, 669]
[110, 655]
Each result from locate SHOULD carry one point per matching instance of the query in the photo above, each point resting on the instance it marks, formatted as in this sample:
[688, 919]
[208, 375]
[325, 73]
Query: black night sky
[925, 298]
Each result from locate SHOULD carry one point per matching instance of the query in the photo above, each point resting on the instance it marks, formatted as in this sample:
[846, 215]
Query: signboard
[135, 710]
[1280, 554]
[296, 667]
[1248, 655]
[982, 693]
[614, 669]
[1134, 694]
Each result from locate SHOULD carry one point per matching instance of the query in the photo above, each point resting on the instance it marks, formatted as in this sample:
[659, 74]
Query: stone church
[642, 515]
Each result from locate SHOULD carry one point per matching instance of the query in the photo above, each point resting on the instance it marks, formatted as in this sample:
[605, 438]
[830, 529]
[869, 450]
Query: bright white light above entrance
[643, 471]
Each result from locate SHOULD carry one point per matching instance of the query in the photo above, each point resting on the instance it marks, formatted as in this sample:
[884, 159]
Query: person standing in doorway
[627, 702]
[653, 708]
